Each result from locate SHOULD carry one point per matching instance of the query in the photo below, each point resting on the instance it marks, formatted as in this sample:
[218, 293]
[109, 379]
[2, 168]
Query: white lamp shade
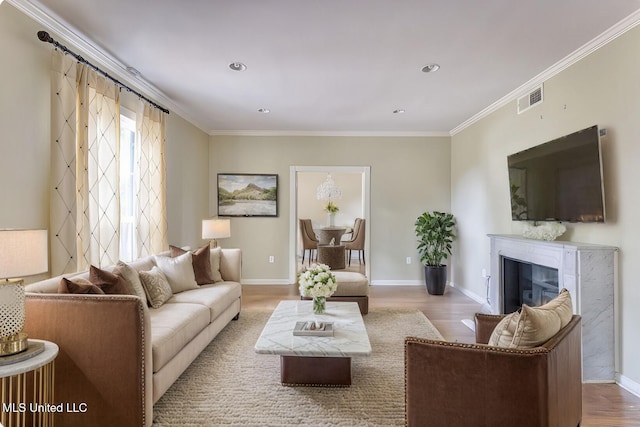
[216, 228]
[23, 253]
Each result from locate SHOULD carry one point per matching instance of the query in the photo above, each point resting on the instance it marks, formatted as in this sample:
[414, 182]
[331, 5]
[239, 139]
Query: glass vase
[319, 305]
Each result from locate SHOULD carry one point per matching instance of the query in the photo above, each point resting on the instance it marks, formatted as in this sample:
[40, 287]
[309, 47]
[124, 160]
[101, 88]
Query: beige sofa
[118, 356]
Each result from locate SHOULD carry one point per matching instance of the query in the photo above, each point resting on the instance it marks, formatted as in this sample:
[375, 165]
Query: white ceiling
[338, 66]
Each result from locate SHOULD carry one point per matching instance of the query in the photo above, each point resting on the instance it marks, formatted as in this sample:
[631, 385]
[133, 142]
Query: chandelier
[328, 190]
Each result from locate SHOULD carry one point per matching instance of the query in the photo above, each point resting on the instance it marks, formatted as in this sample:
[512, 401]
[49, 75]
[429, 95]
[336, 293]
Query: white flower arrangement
[545, 231]
[317, 281]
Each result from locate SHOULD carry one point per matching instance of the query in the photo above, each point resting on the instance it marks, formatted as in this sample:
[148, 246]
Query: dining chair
[357, 240]
[309, 239]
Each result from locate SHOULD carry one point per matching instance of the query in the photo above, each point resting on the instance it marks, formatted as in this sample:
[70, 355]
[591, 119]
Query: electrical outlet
[484, 273]
[408, 260]
[271, 259]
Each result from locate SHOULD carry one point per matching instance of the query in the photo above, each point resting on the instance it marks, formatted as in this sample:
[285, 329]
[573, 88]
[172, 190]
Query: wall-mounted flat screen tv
[560, 180]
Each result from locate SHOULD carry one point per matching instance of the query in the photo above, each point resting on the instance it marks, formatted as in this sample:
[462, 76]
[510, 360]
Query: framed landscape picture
[243, 194]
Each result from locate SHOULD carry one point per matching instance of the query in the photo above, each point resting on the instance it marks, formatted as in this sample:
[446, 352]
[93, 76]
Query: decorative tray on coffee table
[313, 329]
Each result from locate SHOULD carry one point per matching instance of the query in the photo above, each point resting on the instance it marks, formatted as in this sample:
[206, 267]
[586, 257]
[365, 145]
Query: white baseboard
[397, 283]
[477, 298]
[267, 282]
[628, 384]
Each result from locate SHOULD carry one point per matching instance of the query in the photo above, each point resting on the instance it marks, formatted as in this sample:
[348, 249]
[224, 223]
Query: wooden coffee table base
[315, 371]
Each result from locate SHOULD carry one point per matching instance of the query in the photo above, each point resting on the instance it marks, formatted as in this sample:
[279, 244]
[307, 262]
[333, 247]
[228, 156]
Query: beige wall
[25, 140]
[408, 176]
[601, 89]
[24, 123]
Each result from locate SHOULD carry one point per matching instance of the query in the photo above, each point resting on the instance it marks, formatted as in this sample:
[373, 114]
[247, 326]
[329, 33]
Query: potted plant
[435, 232]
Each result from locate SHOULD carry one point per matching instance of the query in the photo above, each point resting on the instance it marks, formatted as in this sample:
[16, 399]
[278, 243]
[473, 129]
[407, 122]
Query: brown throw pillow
[78, 286]
[109, 283]
[201, 263]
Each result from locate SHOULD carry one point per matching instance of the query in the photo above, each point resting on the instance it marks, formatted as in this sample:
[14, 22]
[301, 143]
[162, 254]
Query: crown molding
[405, 134]
[103, 60]
[603, 39]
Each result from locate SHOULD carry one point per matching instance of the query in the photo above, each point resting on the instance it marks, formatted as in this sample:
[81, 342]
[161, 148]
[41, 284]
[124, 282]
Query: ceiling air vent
[529, 100]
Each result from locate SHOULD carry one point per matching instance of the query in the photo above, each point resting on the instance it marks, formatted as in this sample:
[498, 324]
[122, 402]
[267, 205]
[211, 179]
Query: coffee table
[315, 360]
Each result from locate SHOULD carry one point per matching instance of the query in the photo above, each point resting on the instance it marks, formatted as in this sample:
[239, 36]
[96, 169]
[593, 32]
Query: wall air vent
[529, 100]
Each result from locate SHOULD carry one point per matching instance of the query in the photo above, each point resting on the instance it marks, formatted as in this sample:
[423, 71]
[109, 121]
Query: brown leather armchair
[453, 384]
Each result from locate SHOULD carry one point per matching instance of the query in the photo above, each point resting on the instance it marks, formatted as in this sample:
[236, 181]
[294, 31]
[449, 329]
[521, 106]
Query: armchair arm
[231, 264]
[485, 324]
[104, 358]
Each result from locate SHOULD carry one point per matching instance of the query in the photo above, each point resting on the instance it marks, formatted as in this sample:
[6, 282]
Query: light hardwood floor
[603, 405]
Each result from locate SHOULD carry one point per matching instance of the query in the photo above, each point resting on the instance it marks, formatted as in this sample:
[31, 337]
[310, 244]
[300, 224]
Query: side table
[26, 387]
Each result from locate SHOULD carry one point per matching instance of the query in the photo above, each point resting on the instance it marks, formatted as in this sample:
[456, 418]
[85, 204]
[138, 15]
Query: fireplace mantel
[588, 272]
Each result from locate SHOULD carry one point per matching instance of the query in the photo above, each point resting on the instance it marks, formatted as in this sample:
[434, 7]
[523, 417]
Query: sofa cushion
[179, 271]
[110, 283]
[132, 279]
[201, 262]
[78, 286]
[172, 326]
[156, 287]
[350, 284]
[216, 297]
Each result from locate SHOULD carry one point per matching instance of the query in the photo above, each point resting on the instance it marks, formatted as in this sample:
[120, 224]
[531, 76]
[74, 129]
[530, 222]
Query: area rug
[230, 385]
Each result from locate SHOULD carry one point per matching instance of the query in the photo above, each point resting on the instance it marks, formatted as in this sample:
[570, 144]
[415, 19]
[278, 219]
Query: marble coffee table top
[349, 337]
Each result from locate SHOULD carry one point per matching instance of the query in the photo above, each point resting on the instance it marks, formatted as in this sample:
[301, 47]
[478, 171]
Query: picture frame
[247, 195]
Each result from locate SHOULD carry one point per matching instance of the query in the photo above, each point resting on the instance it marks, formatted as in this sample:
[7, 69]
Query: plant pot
[435, 279]
[331, 219]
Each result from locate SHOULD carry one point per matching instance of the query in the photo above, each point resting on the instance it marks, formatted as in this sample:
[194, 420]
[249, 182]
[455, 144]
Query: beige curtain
[85, 205]
[97, 170]
[151, 215]
[62, 214]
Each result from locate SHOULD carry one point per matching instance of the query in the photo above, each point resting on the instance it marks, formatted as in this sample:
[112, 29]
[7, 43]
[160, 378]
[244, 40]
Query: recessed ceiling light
[264, 110]
[398, 111]
[430, 68]
[237, 66]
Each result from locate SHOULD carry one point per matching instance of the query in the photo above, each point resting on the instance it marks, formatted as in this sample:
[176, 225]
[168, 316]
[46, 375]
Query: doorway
[300, 187]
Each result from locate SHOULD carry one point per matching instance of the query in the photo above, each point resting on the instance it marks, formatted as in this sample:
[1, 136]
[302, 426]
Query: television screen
[560, 180]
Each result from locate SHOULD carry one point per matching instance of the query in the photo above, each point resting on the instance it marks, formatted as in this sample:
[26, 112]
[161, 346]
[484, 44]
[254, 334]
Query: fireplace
[527, 283]
[527, 271]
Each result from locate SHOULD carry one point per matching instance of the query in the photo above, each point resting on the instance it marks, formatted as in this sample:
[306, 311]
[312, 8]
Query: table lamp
[22, 253]
[216, 228]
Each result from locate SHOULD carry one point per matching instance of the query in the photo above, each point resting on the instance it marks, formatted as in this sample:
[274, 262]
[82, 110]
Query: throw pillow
[502, 335]
[109, 283]
[78, 286]
[156, 287]
[132, 280]
[201, 263]
[535, 327]
[179, 271]
[216, 254]
[561, 305]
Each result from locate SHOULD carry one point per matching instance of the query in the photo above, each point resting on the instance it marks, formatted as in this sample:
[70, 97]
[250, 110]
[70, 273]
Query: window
[128, 157]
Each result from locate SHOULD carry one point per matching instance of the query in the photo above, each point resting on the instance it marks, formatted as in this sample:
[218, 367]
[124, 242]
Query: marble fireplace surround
[588, 272]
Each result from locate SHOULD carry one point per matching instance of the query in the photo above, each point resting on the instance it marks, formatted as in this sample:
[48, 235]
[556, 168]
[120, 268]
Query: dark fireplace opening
[527, 283]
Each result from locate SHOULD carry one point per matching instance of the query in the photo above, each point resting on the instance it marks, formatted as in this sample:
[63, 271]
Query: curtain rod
[45, 37]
